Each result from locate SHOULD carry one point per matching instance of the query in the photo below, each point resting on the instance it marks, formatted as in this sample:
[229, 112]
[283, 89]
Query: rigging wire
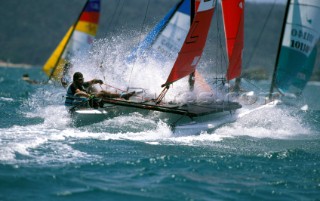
[258, 41]
[222, 56]
[111, 24]
[142, 27]
[114, 13]
[260, 34]
[219, 55]
[119, 14]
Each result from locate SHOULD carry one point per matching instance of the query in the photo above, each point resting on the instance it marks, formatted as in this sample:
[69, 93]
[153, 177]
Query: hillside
[31, 30]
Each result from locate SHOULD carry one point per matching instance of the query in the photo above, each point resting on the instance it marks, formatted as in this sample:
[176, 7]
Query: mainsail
[233, 15]
[164, 41]
[297, 52]
[79, 36]
[194, 43]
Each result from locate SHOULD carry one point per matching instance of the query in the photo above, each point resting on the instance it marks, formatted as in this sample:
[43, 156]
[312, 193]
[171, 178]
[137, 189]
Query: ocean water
[270, 154]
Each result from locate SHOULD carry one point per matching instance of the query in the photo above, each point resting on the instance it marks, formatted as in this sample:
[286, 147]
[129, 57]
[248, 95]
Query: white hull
[181, 125]
[86, 116]
[204, 124]
[211, 122]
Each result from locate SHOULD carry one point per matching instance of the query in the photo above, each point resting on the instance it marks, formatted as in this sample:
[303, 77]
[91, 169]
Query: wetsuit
[71, 99]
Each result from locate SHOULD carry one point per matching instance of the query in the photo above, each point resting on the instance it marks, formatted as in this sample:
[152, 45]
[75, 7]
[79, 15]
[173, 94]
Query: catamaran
[297, 48]
[79, 37]
[187, 58]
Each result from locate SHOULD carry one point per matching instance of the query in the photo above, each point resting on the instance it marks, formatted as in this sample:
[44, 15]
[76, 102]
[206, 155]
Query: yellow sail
[56, 62]
[79, 36]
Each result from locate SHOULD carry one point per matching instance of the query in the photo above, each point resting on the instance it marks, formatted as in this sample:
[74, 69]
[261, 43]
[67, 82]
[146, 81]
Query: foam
[273, 122]
[53, 134]
[6, 99]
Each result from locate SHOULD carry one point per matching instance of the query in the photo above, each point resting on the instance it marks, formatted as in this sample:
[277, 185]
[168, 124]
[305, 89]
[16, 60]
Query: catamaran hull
[190, 126]
[87, 116]
[181, 123]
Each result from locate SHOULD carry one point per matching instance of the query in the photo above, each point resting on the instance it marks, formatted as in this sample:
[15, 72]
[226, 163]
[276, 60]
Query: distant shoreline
[12, 65]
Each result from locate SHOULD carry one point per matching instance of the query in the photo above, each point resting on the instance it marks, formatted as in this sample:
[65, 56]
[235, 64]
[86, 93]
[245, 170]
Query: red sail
[194, 43]
[197, 3]
[233, 15]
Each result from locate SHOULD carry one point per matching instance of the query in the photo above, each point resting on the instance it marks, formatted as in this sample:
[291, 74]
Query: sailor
[78, 95]
[26, 78]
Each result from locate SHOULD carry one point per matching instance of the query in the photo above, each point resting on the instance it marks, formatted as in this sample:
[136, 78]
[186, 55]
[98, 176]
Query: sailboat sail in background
[233, 16]
[79, 37]
[297, 49]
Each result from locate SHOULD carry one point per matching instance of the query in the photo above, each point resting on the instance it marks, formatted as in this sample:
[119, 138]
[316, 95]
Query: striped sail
[79, 37]
[193, 45]
[164, 41]
[298, 50]
[233, 16]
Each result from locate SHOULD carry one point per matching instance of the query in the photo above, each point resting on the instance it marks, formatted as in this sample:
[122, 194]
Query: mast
[192, 13]
[273, 82]
[192, 10]
[72, 30]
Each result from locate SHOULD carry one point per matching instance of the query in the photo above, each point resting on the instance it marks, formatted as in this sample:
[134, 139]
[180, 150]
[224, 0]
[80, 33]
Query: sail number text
[297, 44]
[300, 46]
[302, 35]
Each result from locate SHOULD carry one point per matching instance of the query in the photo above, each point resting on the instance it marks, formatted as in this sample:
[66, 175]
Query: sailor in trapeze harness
[78, 93]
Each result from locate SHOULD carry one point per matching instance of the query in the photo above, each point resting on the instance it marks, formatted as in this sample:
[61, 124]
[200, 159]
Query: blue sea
[270, 154]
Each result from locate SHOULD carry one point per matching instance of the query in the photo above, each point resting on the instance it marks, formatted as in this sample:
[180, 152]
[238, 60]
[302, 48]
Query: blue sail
[294, 71]
[298, 51]
[165, 39]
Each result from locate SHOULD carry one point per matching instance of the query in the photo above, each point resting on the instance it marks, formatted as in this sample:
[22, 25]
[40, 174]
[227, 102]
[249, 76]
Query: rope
[113, 87]
[222, 56]
[142, 97]
[142, 27]
[108, 85]
[114, 13]
[252, 84]
[119, 15]
[112, 31]
[260, 34]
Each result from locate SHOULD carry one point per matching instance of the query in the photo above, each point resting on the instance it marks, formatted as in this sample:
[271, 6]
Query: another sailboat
[185, 65]
[79, 37]
[297, 48]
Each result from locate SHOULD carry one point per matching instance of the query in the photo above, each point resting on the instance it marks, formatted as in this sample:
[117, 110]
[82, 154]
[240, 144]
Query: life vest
[73, 100]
